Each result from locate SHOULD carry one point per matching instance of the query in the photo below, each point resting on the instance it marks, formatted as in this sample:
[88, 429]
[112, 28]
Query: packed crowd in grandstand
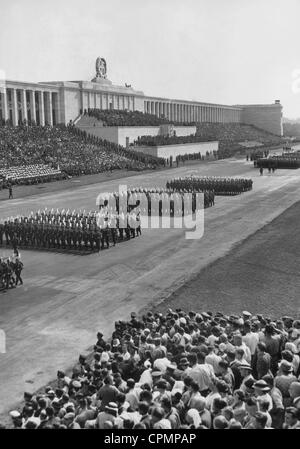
[31, 154]
[116, 117]
[34, 154]
[232, 137]
[178, 370]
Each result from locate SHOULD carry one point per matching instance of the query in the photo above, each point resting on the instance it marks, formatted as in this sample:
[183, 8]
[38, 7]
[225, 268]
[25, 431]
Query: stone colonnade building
[61, 101]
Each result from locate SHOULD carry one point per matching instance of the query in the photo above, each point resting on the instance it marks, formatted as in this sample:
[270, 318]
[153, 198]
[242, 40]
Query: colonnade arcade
[33, 106]
[181, 112]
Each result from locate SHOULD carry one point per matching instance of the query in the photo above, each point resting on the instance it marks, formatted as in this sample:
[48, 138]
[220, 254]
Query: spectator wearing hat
[226, 374]
[277, 411]
[110, 413]
[283, 381]
[17, 419]
[246, 374]
[261, 391]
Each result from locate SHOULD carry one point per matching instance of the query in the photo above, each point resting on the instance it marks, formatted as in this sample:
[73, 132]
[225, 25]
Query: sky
[218, 51]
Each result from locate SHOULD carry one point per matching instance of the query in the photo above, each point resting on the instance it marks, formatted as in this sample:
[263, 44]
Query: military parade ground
[65, 298]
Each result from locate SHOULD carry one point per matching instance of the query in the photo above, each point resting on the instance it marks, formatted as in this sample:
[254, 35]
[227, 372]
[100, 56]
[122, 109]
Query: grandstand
[232, 137]
[28, 172]
[237, 137]
[30, 152]
[125, 118]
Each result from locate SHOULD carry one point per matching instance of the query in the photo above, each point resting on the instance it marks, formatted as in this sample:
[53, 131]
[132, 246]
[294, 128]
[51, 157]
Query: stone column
[49, 109]
[160, 109]
[15, 114]
[4, 105]
[32, 106]
[41, 108]
[24, 105]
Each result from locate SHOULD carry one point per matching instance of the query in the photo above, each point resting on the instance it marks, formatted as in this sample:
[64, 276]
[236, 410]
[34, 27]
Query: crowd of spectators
[62, 149]
[116, 117]
[233, 136]
[178, 370]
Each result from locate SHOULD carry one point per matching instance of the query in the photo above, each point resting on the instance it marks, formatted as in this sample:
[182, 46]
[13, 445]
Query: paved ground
[66, 299]
[259, 274]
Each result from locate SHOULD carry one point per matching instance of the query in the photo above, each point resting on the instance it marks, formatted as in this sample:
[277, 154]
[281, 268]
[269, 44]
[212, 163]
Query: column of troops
[118, 219]
[285, 161]
[65, 231]
[161, 201]
[218, 185]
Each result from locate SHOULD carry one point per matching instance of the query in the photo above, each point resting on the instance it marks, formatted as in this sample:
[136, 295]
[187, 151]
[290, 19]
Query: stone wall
[166, 151]
[119, 134]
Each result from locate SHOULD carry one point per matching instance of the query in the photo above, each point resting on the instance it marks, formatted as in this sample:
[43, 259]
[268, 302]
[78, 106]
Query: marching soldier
[18, 270]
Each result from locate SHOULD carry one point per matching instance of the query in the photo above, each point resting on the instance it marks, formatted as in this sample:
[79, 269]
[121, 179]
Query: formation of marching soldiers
[286, 161]
[10, 272]
[218, 185]
[67, 230]
[118, 219]
[159, 201]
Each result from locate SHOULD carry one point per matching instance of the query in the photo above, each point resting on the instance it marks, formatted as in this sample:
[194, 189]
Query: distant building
[56, 102]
